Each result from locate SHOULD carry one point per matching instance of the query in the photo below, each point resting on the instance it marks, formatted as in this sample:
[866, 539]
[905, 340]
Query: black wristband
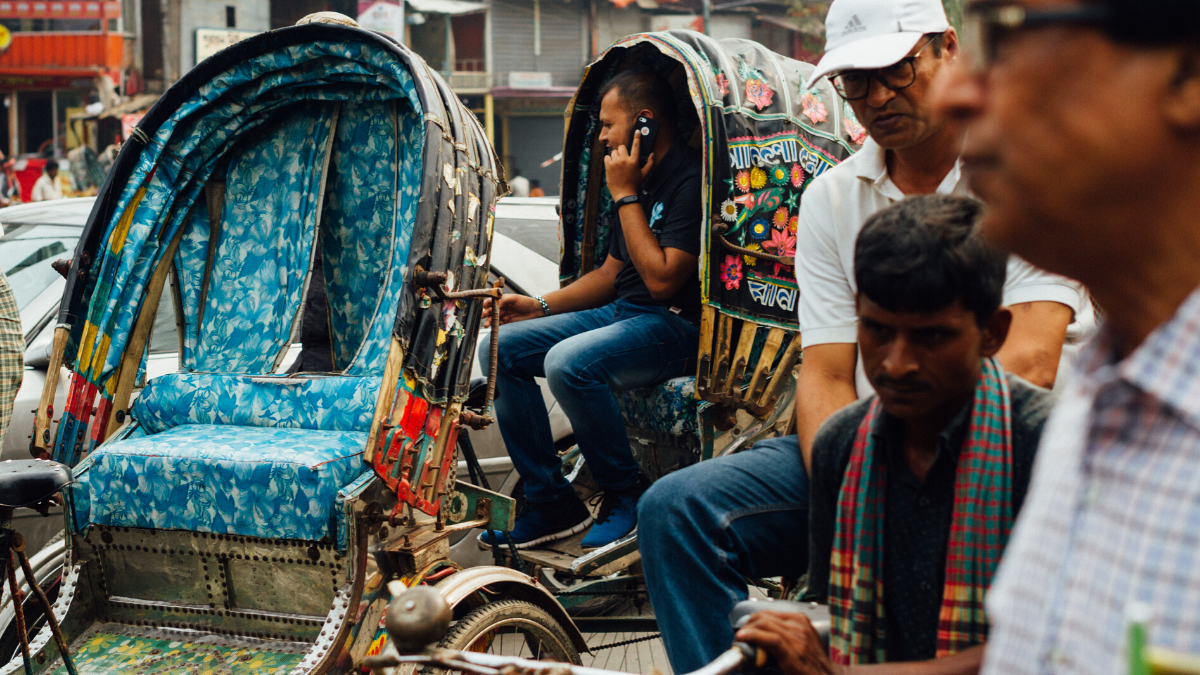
[631, 199]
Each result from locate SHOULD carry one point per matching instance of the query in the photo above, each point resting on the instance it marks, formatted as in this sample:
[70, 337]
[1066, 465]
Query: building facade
[516, 63]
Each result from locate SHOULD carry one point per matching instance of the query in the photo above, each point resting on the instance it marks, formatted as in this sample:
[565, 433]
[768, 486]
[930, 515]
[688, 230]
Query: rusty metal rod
[19, 551]
[19, 611]
[493, 352]
[469, 293]
[789, 262]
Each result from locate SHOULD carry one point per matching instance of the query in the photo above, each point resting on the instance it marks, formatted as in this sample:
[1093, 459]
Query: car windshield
[531, 222]
[26, 252]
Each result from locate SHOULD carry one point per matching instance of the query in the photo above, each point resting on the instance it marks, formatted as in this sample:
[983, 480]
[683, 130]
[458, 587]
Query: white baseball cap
[875, 33]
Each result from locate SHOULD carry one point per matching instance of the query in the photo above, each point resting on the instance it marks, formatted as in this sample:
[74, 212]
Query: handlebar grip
[753, 657]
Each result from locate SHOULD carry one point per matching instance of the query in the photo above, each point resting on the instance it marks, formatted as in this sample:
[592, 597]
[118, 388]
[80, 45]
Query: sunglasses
[986, 25]
[855, 85]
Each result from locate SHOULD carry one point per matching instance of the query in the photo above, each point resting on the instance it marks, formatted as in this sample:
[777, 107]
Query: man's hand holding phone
[622, 171]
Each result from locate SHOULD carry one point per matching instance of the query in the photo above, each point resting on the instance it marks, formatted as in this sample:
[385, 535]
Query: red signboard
[66, 9]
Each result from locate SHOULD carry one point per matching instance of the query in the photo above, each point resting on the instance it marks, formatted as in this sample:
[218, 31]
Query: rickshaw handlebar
[733, 659]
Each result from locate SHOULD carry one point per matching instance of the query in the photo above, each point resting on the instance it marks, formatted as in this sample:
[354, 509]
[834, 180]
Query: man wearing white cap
[750, 516]
[882, 56]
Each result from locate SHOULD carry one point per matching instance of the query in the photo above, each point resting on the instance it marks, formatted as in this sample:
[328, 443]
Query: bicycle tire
[495, 621]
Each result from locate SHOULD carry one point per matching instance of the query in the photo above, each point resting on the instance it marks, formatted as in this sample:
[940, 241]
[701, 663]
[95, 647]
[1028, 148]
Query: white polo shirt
[834, 209]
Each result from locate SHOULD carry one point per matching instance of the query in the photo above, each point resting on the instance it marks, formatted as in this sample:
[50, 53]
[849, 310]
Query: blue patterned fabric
[185, 150]
[267, 229]
[360, 210]
[372, 355]
[261, 482]
[324, 403]
[668, 408]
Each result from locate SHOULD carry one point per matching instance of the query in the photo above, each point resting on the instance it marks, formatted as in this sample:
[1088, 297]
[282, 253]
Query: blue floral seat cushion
[327, 403]
[668, 408]
[251, 481]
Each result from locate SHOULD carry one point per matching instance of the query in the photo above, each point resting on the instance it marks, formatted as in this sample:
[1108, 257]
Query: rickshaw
[239, 519]
[763, 137]
[236, 518]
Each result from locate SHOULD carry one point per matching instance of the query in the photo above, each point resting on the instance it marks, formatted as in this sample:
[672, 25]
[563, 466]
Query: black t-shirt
[917, 515]
[670, 198]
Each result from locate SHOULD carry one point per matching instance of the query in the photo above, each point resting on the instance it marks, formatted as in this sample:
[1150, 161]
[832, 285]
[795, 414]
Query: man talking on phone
[631, 323]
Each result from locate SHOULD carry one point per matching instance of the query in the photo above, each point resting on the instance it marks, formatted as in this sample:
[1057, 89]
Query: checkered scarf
[979, 529]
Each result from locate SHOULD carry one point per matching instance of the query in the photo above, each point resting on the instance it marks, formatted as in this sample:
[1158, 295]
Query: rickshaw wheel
[511, 628]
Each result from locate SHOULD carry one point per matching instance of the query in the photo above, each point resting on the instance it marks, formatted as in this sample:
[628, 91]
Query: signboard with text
[383, 16]
[75, 9]
[209, 41]
[528, 80]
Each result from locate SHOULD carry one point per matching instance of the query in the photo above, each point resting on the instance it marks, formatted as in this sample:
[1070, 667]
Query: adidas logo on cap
[854, 26]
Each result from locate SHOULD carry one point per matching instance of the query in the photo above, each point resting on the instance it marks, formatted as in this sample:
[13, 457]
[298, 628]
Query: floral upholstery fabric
[324, 403]
[372, 355]
[182, 155]
[668, 408]
[265, 250]
[252, 481]
[356, 237]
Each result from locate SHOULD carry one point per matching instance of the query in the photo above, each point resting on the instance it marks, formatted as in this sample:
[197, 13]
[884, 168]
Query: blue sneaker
[617, 516]
[542, 523]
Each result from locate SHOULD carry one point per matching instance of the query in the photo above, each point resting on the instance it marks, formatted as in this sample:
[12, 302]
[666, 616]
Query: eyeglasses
[987, 24]
[855, 85]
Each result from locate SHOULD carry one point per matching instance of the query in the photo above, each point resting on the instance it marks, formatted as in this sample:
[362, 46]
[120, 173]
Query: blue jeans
[584, 356]
[704, 529]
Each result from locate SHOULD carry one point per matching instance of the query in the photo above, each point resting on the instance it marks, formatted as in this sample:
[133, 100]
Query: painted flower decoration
[797, 176]
[781, 218]
[855, 130]
[742, 181]
[782, 243]
[731, 272]
[813, 108]
[759, 93]
[728, 211]
[751, 260]
[723, 84]
[779, 175]
[793, 223]
[758, 178]
[759, 229]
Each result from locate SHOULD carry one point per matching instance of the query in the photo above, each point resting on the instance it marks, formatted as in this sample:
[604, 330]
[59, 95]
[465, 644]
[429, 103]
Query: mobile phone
[648, 128]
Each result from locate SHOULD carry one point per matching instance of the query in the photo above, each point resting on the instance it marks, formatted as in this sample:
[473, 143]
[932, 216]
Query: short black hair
[927, 252]
[639, 89]
[50, 166]
[1151, 22]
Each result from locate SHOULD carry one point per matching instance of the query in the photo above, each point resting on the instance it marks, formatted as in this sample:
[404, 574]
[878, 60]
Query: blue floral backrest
[334, 169]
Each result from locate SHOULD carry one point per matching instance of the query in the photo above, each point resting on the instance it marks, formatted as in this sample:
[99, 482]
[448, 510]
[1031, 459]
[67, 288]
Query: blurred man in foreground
[1084, 140]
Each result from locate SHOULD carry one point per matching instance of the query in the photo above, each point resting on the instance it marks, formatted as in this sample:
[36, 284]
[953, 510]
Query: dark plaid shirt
[917, 514]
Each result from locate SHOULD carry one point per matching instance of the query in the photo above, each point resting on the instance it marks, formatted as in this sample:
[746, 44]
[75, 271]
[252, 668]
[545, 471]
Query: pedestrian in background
[48, 185]
[10, 189]
[518, 184]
